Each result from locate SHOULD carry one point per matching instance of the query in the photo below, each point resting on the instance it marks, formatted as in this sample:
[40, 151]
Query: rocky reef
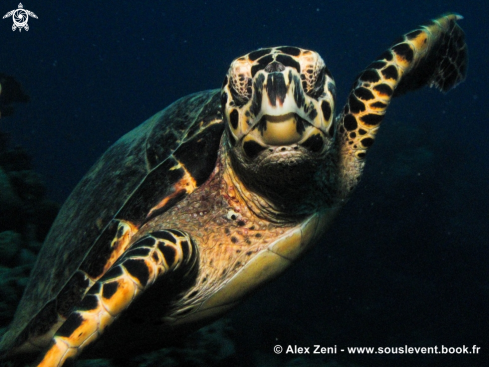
[11, 92]
[25, 213]
[25, 218]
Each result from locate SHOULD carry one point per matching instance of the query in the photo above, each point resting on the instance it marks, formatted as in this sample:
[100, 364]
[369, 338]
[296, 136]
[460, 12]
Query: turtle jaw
[279, 159]
[285, 135]
[279, 130]
[285, 175]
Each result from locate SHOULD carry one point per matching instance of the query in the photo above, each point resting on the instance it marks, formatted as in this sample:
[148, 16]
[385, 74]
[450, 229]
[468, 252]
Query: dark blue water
[405, 263]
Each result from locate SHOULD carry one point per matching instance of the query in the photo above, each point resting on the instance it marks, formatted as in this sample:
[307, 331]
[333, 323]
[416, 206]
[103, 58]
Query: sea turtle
[214, 196]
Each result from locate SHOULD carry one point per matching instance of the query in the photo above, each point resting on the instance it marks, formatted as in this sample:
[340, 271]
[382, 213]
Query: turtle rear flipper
[434, 54]
[151, 257]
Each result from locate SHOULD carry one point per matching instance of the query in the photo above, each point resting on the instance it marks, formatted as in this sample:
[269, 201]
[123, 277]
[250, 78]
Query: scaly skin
[153, 256]
[434, 55]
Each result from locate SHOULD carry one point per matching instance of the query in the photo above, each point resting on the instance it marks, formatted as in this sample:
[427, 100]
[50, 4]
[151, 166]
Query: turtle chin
[282, 173]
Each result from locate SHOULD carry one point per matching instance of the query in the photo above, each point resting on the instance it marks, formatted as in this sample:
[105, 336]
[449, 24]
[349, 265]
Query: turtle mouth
[282, 129]
[283, 133]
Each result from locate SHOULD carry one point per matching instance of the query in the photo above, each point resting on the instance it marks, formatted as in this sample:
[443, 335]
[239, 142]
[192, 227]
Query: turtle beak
[278, 91]
[282, 129]
[276, 87]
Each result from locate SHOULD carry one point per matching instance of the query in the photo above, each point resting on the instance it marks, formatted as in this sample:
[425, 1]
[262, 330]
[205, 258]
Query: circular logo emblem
[20, 18]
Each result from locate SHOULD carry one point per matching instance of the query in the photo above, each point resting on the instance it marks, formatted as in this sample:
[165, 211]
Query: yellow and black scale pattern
[150, 257]
[434, 55]
[169, 169]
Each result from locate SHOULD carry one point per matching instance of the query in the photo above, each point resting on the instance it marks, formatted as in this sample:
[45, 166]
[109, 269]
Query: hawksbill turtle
[212, 197]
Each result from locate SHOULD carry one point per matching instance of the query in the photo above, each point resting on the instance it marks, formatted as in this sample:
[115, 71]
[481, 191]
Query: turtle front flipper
[151, 257]
[434, 54]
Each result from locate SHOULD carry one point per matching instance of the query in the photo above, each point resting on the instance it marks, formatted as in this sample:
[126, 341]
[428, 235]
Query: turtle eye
[240, 87]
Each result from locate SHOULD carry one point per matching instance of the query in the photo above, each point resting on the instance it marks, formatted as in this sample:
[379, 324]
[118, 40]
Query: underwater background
[407, 260]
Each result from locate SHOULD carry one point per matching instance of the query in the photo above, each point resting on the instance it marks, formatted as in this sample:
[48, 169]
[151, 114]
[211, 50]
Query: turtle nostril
[274, 66]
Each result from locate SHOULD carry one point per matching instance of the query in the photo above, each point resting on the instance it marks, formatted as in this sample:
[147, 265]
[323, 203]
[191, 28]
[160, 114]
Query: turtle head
[279, 97]
[278, 104]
